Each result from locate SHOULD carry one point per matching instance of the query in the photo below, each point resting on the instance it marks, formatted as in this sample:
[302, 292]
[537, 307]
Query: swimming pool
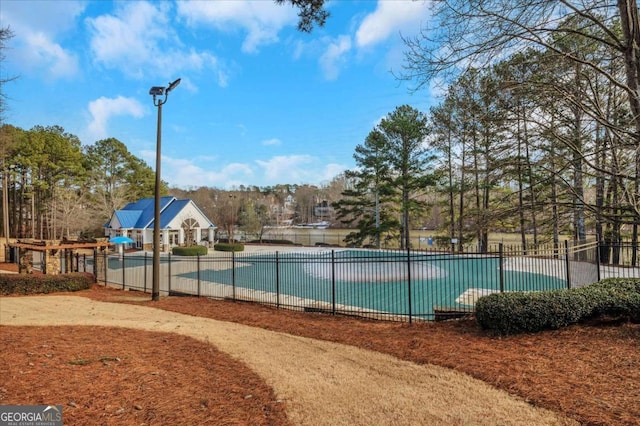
[398, 283]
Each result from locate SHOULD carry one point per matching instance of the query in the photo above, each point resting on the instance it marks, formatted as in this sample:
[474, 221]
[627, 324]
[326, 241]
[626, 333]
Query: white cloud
[35, 45]
[331, 170]
[272, 142]
[332, 58]
[391, 17]
[43, 53]
[138, 39]
[331, 53]
[261, 20]
[102, 109]
[198, 171]
[297, 168]
[299, 48]
[187, 173]
[131, 37]
[183, 173]
[45, 16]
[289, 167]
[438, 87]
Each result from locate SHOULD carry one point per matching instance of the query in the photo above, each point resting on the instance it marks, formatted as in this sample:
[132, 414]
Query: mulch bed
[590, 372]
[109, 376]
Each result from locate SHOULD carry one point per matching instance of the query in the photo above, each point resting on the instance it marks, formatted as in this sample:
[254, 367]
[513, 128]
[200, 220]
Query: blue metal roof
[140, 214]
[128, 218]
[146, 207]
[170, 211]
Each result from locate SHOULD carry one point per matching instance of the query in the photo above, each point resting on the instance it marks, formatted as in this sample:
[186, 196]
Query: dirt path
[320, 381]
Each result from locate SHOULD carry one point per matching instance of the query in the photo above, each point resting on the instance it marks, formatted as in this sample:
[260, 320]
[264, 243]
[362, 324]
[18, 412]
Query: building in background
[182, 223]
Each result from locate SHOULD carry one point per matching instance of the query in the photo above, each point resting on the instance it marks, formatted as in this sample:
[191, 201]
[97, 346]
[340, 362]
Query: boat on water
[315, 225]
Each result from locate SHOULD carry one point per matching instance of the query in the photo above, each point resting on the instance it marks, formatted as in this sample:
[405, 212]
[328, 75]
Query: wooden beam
[64, 246]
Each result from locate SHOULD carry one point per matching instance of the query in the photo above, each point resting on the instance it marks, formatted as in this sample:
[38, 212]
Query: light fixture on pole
[157, 92]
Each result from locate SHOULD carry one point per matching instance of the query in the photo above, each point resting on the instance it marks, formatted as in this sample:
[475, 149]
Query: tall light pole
[157, 92]
[5, 204]
[5, 209]
[231, 235]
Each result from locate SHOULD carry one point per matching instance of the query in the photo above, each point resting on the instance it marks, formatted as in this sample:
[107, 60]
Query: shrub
[442, 241]
[321, 244]
[615, 297]
[36, 284]
[190, 251]
[273, 241]
[509, 313]
[229, 247]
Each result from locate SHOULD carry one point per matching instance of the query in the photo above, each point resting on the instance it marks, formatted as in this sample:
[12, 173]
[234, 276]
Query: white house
[181, 221]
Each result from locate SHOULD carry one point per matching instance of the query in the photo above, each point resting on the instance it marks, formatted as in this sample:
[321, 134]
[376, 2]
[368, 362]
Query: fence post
[84, 262]
[105, 259]
[233, 273]
[567, 262]
[409, 282]
[169, 273]
[597, 258]
[277, 280]
[124, 270]
[501, 254]
[95, 265]
[198, 269]
[333, 282]
[145, 271]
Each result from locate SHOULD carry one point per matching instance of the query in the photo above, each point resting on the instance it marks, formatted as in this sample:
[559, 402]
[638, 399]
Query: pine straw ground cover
[589, 372]
[147, 377]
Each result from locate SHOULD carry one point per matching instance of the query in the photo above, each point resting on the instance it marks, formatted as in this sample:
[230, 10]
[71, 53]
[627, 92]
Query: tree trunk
[452, 216]
[577, 163]
[462, 193]
[476, 179]
[600, 161]
[523, 234]
[530, 180]
[630, 26]
[555, 217]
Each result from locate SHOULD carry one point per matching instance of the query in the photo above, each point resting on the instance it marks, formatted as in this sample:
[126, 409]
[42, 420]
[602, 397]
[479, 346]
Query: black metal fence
[392, 285]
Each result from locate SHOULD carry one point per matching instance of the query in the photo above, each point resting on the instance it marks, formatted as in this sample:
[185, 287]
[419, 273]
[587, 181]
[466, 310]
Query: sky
[259, 103]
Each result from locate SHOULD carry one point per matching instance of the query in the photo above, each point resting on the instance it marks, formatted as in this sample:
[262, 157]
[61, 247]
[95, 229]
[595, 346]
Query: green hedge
[190, 251]
[273, 241]
[36, 284]
[229, 247]
[510, 313]
[615, 297]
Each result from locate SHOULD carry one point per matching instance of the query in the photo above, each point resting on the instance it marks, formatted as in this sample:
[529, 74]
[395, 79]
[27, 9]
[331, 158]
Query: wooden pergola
[53, 251]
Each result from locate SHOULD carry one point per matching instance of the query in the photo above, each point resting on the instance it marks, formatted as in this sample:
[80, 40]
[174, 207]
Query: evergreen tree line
[59, 189]
[538, 132]
[544, 141]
